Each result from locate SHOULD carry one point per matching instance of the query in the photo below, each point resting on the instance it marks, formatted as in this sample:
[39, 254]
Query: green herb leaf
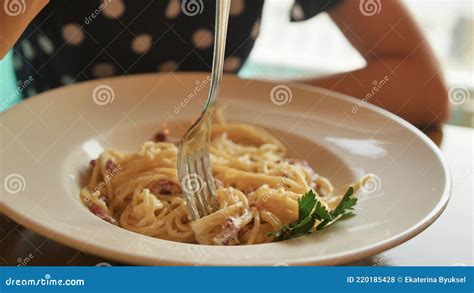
[310, 210]
[321, 213]
[346, 203]
[306, 205]
[344, 207]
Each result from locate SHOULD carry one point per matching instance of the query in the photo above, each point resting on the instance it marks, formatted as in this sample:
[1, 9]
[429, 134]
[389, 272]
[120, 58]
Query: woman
[68, 41]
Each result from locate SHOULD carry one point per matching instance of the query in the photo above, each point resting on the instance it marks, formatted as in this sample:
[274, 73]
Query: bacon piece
[164, 187]
[96, 210]
[161, 136]
[229, 234]
[110, 166]
[297, 162]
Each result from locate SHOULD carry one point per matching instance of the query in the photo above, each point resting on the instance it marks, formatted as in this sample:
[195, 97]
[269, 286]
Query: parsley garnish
[310, 210]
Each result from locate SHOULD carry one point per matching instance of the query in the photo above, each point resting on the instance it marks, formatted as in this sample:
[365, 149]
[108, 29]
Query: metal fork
[194, 168]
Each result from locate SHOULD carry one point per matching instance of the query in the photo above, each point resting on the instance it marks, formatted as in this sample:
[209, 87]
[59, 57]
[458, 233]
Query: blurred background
[448, 25]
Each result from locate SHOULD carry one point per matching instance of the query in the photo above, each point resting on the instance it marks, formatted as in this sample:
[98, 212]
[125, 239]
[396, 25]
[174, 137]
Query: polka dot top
[77, 40]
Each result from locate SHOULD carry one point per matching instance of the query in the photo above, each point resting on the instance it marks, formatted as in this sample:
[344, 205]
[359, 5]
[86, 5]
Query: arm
[14, 18]
[393, 46]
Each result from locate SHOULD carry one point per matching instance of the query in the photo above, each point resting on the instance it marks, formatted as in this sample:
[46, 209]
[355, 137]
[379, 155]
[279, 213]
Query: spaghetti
[257, 189]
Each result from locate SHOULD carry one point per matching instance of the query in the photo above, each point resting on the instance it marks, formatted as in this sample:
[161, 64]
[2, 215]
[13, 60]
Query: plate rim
[330, 259]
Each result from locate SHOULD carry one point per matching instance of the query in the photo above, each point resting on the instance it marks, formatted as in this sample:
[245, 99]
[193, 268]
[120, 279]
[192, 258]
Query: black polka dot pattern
[77, 40]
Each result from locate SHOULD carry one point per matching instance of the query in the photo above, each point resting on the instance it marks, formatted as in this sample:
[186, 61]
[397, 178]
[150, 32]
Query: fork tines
[198, 184]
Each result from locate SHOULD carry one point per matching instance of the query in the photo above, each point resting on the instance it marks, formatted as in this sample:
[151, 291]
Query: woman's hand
[15, 15]
[394, 49]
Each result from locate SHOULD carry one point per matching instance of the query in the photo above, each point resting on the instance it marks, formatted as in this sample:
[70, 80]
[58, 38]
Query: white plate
[48, 140]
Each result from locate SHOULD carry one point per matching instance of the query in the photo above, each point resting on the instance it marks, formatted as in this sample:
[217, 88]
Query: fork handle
[222, 19]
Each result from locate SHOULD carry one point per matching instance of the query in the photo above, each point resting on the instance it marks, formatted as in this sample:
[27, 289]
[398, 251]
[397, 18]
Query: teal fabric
[9, 95]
